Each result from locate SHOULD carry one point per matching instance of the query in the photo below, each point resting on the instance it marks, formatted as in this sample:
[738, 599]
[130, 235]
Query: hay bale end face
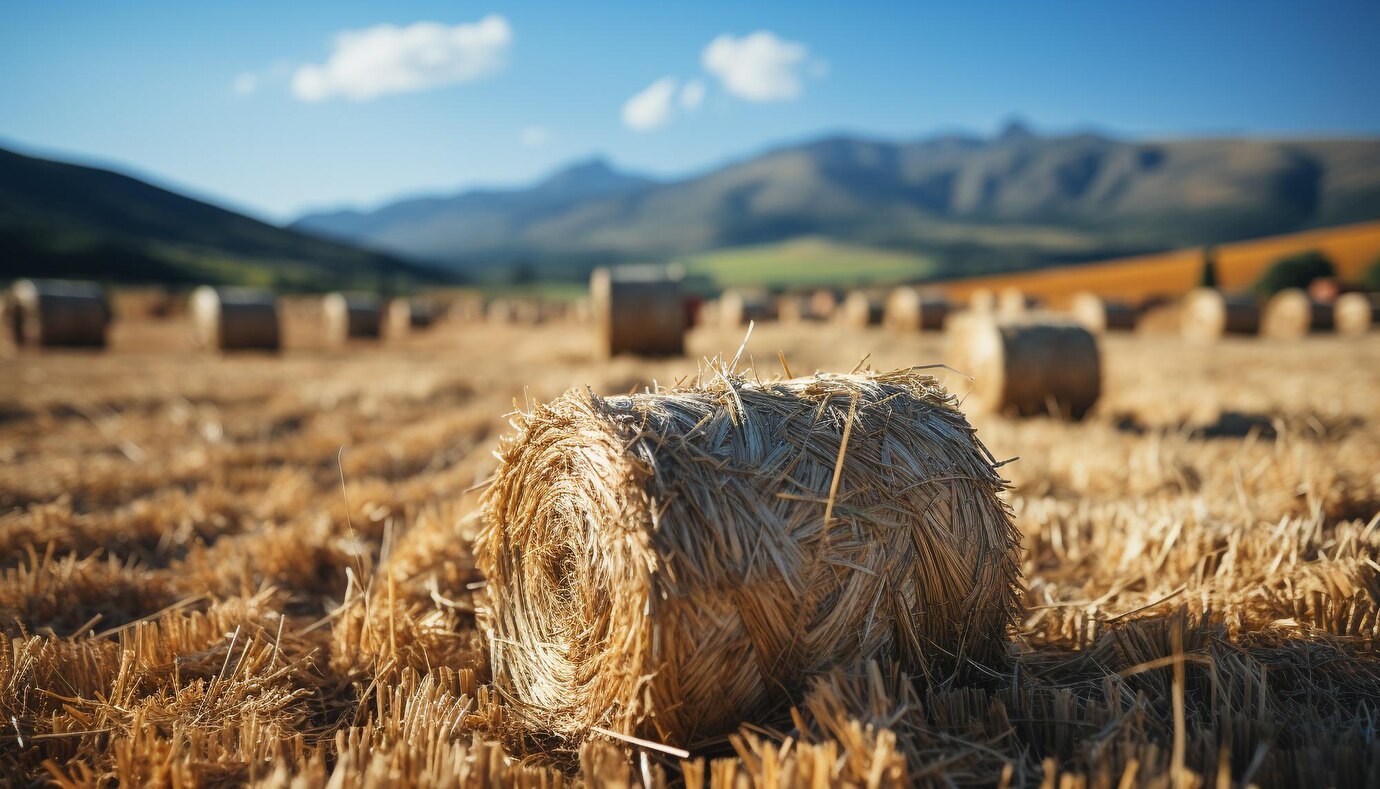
[909, 310]
[738, 308]
[1026, 367]
[638, 310]
[860, 310]
[397, 318]
[1206, 315]
[1291, 314]
[1011, 302]
[1356, 313]
[1100, 315]
[54, 313]
[230, 319]
[351, 316]
[671, 564]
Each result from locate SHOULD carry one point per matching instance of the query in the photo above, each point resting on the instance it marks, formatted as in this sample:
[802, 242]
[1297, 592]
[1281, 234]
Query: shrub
[1294, 271]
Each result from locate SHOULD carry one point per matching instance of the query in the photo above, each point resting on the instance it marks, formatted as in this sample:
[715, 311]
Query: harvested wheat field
[257, 568]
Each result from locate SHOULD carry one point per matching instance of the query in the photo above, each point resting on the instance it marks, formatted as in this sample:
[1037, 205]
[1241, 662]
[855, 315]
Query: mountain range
[67, 220]
[1015, 200]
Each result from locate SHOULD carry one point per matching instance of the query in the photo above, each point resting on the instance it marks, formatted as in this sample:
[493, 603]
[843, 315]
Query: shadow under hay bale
[1291, 314]
[1026, 366]
[1100, 315]
[738, 308]
[908, 310]
[671, 564]
[1356, 313]
[231, 319]
[352, 316]
[638, 310]
[58, 313]
[1206, 315]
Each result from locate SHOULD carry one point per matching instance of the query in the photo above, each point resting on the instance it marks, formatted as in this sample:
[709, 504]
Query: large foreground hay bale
[672, 563]
[739, 307]
[909, 310]
[51, 313]
[860, 309]
[351, 316]
[638, 309]
[229, 319]
[1026, 366]
[1356, 313]
[1290, 314]
[1102, 315]
[1206, 315]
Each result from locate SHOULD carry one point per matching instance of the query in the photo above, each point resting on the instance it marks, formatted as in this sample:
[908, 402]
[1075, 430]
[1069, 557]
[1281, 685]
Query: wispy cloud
[535, 136]
[651, 108]
[386, 59]
[692, 95]
[245, 84]
[757, 67]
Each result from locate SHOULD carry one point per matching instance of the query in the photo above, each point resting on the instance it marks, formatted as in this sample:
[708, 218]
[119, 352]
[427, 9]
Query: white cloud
[692, 95]
[385, 59]
[245, 84]
[652, 107]
[535, 136]
[756, 67]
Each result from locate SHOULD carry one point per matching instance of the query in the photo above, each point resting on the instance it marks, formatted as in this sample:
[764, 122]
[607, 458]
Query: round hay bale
[1290, 314]
[825, 302]
[228, 319]
[982, 300]
[639, 310]
[795, 308]
[908, 310]
[1011, 302]
[397, 318]
[51, 313]
[1356, 313]
[740, 307]
[1026, 366]
[1102, 315]
[860, 310]
[673, 563]
[1206, 315]
[351, 317]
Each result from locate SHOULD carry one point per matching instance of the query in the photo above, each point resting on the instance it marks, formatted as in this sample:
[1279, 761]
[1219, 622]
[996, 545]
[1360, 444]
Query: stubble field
[258, 569]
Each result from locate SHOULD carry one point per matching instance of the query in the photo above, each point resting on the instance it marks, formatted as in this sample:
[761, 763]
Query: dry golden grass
[197, 586]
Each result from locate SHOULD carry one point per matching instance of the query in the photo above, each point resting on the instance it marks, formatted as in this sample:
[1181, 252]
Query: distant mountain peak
[1016, 130]
[591, 176]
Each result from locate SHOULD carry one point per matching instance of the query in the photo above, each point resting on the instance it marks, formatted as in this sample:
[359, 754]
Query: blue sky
[163, 89]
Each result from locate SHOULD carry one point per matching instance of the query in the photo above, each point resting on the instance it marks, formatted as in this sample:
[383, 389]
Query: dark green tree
[1208, 278]
[1294, 271]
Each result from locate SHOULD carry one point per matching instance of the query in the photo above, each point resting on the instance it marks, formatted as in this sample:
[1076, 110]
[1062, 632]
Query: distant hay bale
[1026, 366]
[982, 300]
[1356, 313]
[352, 316]
[860, 309]
[909, 310]
[1291, 314]
[1102, 315]
[795, 308]
[51, 313]
[1206, 315]
[825, 302]
[673, 563]
[1011, 302]
[739, 307]
[397, 318]
[639, 310]
[229, 319]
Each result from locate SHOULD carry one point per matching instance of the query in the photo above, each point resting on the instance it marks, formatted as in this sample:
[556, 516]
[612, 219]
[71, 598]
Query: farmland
[260, 568]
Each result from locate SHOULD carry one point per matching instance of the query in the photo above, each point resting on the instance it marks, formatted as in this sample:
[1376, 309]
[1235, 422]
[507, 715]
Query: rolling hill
[66, 220]
[974, 205]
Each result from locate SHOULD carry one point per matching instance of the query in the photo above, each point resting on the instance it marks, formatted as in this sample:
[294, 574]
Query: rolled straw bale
[860, 309]
[1013, 303]
[795, 308]
[638, 309]
[1290, 314]
[1101, 315]
[1206, 314]
[1356, 313]
[825, 302]
[351, 316]
[397, 318]
[235, 319]
[1026, 366]
[499, 311]
[908, 310]
[982, 300]
[49, 313]
[672, 563]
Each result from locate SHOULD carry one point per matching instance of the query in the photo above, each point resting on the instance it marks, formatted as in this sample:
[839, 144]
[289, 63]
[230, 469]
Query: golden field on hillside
[219, 570]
